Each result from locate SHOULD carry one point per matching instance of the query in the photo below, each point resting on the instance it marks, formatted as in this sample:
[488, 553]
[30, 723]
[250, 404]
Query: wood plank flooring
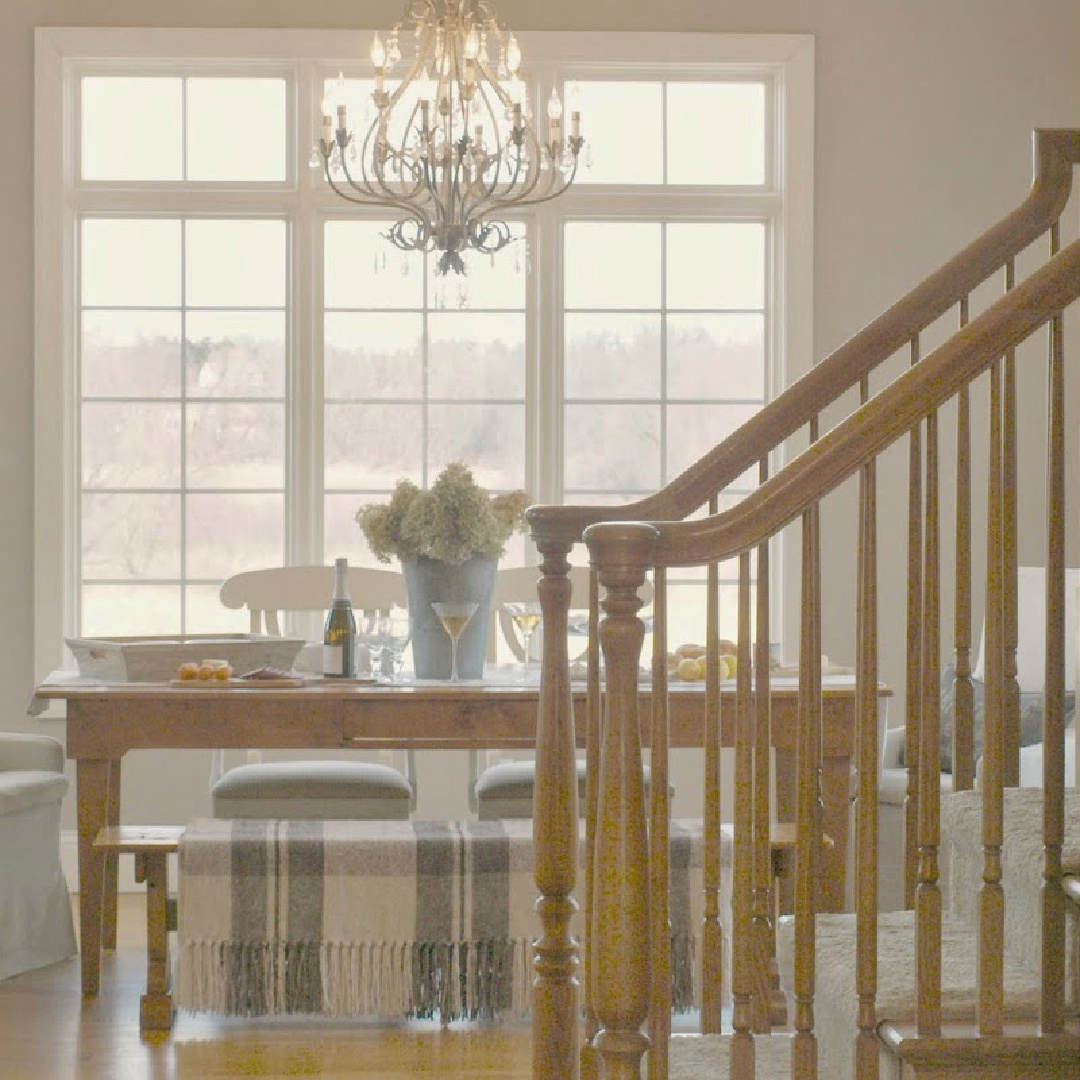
[49, 1032]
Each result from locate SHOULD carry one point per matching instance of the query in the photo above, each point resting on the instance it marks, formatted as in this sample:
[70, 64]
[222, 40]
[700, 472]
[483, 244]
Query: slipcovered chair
[333, 789]
[36, 927]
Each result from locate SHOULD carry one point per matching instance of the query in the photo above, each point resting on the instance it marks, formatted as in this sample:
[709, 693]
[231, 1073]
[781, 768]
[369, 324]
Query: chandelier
[452, 146]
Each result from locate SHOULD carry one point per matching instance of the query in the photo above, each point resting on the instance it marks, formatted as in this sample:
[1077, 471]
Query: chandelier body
[452, 146]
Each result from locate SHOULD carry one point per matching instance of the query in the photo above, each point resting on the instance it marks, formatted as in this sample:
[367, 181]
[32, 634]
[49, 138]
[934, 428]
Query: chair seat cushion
[332, 790]
[25, 789]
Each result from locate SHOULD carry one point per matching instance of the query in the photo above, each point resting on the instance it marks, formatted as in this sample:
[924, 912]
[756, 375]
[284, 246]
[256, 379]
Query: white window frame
[64, 54]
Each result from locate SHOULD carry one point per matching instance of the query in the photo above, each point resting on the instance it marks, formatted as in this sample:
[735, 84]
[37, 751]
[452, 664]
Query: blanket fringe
[452, 980]
[470, 980]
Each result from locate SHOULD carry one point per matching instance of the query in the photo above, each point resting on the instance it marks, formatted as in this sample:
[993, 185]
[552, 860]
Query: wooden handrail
[858, 439]
[1055, 151]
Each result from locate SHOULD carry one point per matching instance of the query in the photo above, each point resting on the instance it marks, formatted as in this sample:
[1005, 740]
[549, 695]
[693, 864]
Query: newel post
[556, 1012]
[619, 935]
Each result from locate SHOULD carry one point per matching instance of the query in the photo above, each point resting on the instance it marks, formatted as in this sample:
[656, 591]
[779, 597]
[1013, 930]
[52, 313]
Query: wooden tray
[218, 684]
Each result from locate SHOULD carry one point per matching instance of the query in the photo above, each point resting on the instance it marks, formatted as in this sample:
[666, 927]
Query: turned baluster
[660, 840]
[742, 982]
[619, 952]
[555, 999]
[1052, 1009]
[589, 1064]
[712, 933]
[991, 895]
[808, 814]
[962, 690]
[1010, 700]
[928, 892]
[913, 675]
[769, 1003]
[866, 817]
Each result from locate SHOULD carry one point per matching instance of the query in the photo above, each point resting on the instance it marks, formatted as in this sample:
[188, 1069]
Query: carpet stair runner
[836, 1002]
[708, 1057]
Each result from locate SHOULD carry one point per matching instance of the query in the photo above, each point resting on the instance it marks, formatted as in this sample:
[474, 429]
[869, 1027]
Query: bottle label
[333, 656]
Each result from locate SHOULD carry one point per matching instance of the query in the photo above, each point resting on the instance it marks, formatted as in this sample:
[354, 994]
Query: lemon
[688, 670]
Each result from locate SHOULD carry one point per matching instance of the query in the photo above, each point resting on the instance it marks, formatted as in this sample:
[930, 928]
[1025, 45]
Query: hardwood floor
[48, 1032]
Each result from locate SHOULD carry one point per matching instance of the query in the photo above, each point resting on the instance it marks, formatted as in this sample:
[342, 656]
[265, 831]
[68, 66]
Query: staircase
[982, 987]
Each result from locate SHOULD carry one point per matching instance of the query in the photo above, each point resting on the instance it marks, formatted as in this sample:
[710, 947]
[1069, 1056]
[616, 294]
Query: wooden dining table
[106, 721]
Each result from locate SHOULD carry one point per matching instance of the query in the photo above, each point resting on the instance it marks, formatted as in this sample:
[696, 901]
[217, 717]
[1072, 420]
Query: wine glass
[526, 617]
[454, 617]
[396, 635]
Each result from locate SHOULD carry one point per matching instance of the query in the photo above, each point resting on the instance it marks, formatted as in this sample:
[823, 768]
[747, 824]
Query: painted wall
[924, 114]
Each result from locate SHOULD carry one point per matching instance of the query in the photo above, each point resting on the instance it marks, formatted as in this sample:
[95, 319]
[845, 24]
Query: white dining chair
[312, 789]
[501, 787]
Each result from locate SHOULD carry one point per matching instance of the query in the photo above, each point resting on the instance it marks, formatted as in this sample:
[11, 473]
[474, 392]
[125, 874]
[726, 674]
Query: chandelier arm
[487, 188]
[369, 195]
[566, 182]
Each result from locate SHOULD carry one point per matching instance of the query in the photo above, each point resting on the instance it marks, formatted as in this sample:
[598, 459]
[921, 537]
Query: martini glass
[526, 617]
[454, 617]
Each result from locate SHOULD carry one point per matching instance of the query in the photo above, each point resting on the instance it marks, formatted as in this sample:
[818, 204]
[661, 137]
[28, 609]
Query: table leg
[92, 793]
[111, 863]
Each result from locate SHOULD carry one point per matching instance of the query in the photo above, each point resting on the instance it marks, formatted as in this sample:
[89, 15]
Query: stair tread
[896, 968]
[707, 1057]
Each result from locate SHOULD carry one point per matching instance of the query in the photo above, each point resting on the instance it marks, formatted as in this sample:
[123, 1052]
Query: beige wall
[924, 113]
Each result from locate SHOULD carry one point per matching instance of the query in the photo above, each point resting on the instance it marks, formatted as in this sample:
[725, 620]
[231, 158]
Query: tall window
[233, 360]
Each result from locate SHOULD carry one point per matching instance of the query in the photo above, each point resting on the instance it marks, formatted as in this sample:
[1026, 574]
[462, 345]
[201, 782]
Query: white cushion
[313, 790]
[26, 789]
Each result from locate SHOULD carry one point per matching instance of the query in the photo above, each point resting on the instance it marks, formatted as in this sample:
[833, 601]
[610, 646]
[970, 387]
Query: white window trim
[62, 53]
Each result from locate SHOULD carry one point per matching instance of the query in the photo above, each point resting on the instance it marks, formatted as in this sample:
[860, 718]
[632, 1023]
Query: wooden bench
[151, 845]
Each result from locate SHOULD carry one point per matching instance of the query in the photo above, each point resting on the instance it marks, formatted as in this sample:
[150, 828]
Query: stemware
[526, 617]
[396, 635]
[454, 618]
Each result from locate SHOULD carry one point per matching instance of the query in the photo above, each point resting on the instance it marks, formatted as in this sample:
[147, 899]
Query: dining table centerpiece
[448, 539]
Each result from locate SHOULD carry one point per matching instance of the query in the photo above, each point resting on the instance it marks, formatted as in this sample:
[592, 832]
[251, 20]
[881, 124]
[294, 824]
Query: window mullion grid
[183, 423]
[425, 373]
[305, 496]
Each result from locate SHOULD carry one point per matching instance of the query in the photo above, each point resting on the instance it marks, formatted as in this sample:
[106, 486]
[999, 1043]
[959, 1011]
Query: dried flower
[453, 521]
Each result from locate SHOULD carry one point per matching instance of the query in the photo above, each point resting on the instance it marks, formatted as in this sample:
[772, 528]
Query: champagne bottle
[339, 638]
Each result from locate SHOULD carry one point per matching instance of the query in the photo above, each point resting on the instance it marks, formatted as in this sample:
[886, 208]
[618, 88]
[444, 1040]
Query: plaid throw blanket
[389, 918]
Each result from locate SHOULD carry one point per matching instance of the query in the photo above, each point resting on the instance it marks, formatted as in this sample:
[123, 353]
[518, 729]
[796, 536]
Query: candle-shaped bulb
[513, 55]
[472, 44]
[378, 52]
[554, 109]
